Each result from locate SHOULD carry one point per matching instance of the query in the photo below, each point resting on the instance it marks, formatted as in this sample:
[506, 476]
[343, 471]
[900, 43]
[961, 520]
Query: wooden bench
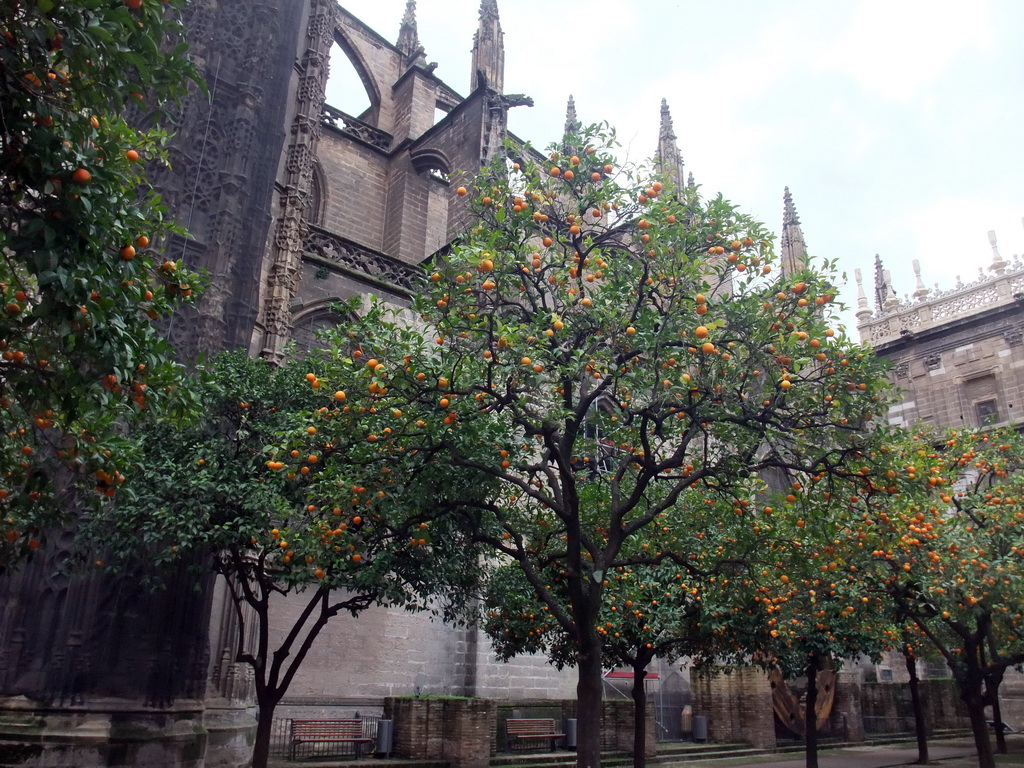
[1001, 727]
[531, 728]
[328, 732]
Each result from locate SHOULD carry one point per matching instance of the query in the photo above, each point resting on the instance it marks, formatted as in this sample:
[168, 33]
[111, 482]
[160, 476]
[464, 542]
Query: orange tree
[243, 489]
[626, 341]
[813, 609]
[951, 559]
[79, 288]
[695, 603]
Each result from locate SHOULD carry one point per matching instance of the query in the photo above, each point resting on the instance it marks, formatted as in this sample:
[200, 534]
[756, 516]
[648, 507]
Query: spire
[794, 250]
[881, 288]
[488, 50]
[863, 310]
[920, 289]
[999, 264]
[408, 39]
[670, 162]
[572, 125]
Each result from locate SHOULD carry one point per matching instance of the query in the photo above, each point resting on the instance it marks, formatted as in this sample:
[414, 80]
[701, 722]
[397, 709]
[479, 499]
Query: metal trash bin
[570, 733]
[385, 737]
[700, 728]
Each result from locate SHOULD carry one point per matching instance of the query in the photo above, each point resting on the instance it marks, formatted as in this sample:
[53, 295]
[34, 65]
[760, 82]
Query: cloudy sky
[896, 124]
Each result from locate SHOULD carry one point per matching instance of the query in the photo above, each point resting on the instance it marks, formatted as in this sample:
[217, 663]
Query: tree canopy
[624, 343]
[80, 286]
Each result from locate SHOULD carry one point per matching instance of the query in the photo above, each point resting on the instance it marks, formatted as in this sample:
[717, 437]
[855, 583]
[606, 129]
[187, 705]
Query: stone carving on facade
[933, 361]
[355, 128]
[930, 308]
[363, 261]
[1014, 337]
[903, 370]
[286, 252]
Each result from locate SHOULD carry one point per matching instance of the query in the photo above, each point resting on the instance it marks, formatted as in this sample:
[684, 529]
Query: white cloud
[894, 48]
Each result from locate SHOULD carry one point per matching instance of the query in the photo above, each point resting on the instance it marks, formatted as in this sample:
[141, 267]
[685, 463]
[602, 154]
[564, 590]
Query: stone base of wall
[230, 734]
[847, 717]
[617, 727]
[107, 733]
[461, 731]
[738, 705]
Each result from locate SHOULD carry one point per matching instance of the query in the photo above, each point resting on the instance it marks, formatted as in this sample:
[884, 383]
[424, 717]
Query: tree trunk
[810, 716]
[972, 695]
[261, 748]
[588, 702]
[992, 687]
[920, 727]
[639, 716]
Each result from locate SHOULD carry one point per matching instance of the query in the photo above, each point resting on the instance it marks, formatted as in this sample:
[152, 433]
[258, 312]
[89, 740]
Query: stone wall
[887, 706]
[737, 703]
[460, 731]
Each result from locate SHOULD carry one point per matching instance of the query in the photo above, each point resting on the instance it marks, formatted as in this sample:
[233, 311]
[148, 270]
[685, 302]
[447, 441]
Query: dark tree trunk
[920, 727]
[992, 689]
[588, 701]
[970, 691]
[810, 717]
[261, 748]
[639, 715]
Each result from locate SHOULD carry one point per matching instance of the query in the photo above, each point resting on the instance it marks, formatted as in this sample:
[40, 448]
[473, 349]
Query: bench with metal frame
[531, 728]
[328, 732]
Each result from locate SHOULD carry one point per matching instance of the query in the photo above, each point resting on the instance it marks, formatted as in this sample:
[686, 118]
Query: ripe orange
[132, 155]
[128, 252]
[81, 176]
[133, 4]
[461, 191]
[141, 241]
[556, 171]
[568, 176]
[701, 332]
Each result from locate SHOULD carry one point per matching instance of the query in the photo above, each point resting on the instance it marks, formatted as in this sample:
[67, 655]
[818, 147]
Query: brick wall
[460, 731]
[737, 703]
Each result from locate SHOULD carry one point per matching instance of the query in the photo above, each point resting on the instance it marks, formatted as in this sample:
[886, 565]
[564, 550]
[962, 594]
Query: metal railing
[280, 739]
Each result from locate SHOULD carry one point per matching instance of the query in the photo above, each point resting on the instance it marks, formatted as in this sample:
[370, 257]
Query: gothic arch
[310, 319]
[345, 45]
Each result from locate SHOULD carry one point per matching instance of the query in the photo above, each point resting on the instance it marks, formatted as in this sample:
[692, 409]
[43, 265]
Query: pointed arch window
[349, 87]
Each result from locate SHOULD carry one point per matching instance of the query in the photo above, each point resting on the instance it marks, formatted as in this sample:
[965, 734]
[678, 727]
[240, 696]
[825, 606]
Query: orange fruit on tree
[461, 191]
[81, 176]
[142, 241]
[701, 332]
[132, 155]
[128, 252]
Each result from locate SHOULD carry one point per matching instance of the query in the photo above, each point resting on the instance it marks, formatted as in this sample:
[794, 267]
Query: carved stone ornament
[1014, 337]
[405, 278]
[903, 370]
[933, 361]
